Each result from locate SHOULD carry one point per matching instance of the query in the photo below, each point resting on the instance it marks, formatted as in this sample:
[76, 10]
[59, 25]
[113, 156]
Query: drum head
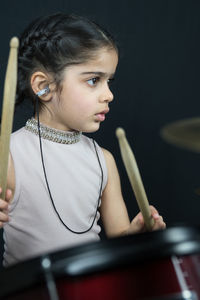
[102, 256]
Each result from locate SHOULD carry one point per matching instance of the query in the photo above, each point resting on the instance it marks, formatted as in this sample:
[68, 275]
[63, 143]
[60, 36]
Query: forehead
[104, 61]
[104, 57]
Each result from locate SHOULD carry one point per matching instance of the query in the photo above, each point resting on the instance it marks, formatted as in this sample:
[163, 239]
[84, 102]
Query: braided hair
[52, 43]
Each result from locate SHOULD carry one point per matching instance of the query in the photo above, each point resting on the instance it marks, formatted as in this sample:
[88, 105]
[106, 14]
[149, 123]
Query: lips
[101, 115]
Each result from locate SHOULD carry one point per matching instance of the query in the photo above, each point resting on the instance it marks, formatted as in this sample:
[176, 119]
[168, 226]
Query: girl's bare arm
[113, 209]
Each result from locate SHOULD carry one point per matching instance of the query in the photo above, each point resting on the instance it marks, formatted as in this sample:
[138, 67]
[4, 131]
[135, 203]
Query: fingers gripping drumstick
[134, 177]
[7, 112]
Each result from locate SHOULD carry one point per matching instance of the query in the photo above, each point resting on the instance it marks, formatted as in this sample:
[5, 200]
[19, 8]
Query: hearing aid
[46, 90]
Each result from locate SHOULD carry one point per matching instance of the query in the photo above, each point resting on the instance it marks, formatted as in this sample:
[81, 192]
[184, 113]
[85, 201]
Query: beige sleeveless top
[74, 177]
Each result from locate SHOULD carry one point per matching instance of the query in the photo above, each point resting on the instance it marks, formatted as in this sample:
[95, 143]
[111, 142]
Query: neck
[47, 119]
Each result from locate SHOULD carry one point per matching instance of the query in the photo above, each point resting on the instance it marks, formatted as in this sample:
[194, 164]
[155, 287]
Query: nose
[107, 95]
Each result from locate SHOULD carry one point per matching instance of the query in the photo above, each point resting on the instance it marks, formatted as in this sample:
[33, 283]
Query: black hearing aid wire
[47, 183]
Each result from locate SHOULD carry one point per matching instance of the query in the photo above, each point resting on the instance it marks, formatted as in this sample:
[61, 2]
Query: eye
[93, 81]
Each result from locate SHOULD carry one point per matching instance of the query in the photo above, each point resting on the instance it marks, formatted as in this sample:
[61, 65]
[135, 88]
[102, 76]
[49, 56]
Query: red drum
[162, 265]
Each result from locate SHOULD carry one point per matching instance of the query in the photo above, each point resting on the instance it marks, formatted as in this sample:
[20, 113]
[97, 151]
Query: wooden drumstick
[135, 178]
[8, 112]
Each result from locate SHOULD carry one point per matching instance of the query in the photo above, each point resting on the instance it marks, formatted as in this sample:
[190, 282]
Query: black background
[157, 82]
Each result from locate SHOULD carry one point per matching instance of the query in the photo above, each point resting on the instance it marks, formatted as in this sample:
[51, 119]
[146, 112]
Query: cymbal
[184, 133]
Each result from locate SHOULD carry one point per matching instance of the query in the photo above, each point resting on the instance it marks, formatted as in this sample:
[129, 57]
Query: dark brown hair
[52, 43]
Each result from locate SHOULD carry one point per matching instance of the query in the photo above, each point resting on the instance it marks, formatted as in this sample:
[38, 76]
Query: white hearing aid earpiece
[46, 90]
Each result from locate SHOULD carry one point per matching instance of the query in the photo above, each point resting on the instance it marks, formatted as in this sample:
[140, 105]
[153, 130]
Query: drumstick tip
[14, 42]
[120, 132]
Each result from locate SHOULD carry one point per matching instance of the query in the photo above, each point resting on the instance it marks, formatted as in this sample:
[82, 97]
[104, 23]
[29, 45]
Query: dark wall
[157, 82]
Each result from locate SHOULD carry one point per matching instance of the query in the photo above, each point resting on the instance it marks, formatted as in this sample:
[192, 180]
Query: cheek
[82, 107]
[78, 101]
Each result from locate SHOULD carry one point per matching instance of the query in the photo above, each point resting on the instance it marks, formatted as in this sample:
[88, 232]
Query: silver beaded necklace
[52, 134]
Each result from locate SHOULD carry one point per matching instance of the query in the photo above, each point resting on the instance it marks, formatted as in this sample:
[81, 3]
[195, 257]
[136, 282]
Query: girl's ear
[40, 81]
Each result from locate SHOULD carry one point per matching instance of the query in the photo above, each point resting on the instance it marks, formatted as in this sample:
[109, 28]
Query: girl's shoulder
[106, 153]
[18, 134]
[109, 158]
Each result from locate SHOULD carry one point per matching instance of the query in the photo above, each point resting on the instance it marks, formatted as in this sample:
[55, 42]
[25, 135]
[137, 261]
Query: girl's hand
[137, 225]
[4, 207]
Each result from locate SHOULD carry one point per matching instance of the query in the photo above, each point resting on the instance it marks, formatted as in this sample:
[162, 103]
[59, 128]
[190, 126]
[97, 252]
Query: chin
[91, 129]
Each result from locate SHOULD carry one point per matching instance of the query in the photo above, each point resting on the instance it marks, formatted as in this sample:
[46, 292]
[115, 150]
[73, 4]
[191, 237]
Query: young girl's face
[85, 96]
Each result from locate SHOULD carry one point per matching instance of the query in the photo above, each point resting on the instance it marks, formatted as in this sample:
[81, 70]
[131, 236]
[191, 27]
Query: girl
[59, 180]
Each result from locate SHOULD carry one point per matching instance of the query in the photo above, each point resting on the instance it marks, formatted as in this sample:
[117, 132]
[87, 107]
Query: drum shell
[155, 272]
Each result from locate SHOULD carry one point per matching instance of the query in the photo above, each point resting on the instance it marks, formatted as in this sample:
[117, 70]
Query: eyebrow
[102, 74]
